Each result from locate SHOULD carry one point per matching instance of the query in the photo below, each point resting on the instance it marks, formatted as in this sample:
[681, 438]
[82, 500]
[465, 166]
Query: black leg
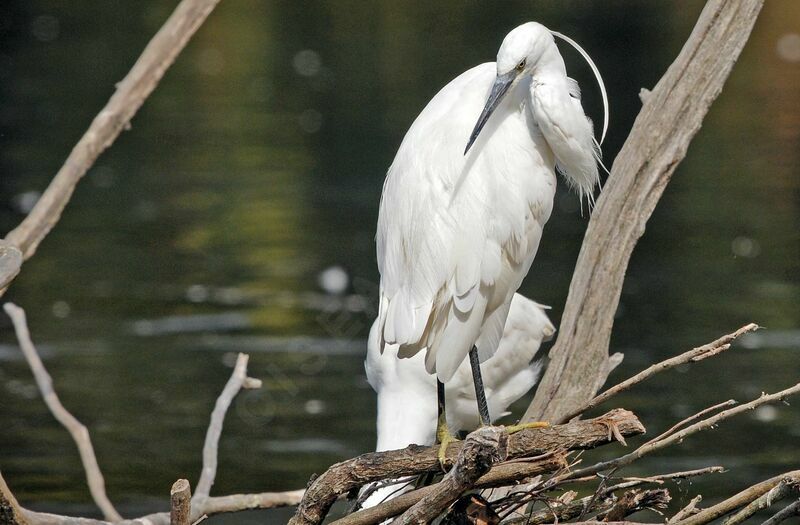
[483, 407]
[440, 399]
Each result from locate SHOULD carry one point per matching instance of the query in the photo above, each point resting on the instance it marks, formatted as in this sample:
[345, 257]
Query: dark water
[258, 163]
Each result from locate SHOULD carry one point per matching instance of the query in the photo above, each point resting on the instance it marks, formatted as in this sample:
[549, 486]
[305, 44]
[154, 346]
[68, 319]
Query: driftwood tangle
[348, 475]
[482, 448]
[670, 117]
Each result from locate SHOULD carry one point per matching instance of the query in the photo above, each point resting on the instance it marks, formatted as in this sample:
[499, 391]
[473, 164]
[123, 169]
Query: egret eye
[521, 65]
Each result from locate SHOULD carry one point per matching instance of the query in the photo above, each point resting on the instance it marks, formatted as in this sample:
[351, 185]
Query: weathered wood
[348, 475]
[180, 503]
[502, 474]
[670, 117]
[481, 449]
[115, 117]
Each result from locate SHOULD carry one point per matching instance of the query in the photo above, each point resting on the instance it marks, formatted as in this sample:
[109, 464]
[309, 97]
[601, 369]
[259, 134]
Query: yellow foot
[444, 438]
[523, 426]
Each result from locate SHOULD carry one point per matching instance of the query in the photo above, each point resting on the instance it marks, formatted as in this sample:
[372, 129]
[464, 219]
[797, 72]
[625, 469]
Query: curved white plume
[597, 75]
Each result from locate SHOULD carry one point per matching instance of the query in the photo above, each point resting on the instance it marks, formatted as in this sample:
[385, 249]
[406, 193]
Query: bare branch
[501, 474]
[351, 474]
[679, 436]
[480, 450]
[238, 380]
[694, 417]
[788, 486]
[671, 115]
[180, 499]
[692, 356]
[739, 500]
[686, 511]
[116, 116]
[790, 510]
[79, 433]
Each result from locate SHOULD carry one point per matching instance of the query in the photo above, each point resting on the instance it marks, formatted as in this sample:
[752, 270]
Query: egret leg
[480, 394]
[443, 435]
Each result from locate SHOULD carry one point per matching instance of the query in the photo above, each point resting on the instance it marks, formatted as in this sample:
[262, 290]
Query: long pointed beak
[501, 85]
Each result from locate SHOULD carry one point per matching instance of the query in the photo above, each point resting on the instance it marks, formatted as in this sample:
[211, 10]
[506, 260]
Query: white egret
[459, 228]
[406, 391]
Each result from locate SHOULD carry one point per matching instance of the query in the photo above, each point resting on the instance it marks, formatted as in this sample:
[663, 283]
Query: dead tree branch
[343, 477]
[793, 509]
[788, 486]
[739, 500]
[180, 503]
[501, 474]
[692, 356]
[116, 116]
[480, 451]
[237, 381]
[670, 117]
[79, 433]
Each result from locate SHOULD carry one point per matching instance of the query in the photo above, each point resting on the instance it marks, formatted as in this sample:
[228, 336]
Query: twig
[692, 356]
[660, 478]
[682, 423]
[686, 511]
[739, 500]
[116, 116]
[793, 509]
[239, 502]
[705, 424]
[480, 450]
[787, 487]
[658, 141]
[180, 499]
[237, 381]
[79, 433]
[213, 506]
[636, 500]
[353, 473]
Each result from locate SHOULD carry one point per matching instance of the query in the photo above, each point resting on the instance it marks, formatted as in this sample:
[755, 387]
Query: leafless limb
[351, 474]
[694, 417]
[480, 450]
[180, 499]
[739, 500]
[116, 116]
[686, 511]
[692, 356]
[661, 478]
[671, 115]
[793, 509]
[705, 424]
[79, 433]
[506, 473]
[237, 381]
[788, 486]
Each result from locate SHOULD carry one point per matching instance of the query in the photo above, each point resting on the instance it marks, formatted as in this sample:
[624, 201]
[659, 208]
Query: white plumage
[407, 392]
[458, 232]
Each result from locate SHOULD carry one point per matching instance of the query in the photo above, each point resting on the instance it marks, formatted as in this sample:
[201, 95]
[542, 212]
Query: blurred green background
[228, 218]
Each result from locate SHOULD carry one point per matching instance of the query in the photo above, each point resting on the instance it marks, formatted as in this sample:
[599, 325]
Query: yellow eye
[521, 65]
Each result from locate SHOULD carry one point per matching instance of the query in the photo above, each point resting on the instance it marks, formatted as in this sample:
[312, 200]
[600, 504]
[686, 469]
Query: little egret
[458, 228]
[406, 391]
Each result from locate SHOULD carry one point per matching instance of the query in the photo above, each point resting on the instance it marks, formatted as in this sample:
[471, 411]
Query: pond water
[257, 165]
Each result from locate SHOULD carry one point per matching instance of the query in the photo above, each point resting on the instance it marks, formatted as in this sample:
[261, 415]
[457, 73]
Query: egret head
[519, 55]
[522, 51]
